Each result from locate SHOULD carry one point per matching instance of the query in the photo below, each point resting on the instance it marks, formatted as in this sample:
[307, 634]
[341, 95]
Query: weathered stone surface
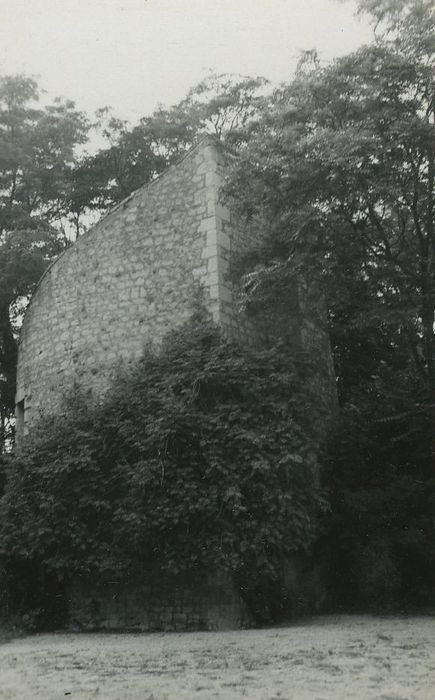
[137, 274]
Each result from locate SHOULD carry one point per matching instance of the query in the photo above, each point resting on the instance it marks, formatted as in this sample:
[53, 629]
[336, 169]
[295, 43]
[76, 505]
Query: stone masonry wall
[234, 240]
[296, 317]
[157, 602]
[136, 275]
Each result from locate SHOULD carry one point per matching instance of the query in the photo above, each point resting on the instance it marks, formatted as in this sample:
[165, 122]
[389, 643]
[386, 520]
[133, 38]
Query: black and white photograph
[217, 349]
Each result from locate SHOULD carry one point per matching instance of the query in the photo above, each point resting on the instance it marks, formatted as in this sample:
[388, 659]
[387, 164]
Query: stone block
[223, 240]
[211, 239]
[222, 212]
[208, 252]
[214, 291]
[225, 294]
[213, 179]
[212, 278]
[207, 224]
[212, 264]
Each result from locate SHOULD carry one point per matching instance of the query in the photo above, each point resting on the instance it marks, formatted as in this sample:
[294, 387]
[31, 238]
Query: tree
[221, 104]
[224, 104]
[133, 156]
[37, 152]
[342, 166]
[99, 181]
[340, 170]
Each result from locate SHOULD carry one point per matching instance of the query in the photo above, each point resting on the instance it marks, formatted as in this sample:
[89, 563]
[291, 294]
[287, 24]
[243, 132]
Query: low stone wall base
[156, 602]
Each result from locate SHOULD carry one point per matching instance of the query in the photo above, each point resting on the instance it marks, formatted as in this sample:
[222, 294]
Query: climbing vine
[199, 456]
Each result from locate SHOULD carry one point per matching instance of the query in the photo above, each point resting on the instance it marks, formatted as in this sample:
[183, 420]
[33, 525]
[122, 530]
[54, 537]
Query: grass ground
[326, 658]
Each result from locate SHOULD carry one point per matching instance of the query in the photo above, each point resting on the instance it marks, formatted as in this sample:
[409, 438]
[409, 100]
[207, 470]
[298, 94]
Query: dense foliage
[201, 456]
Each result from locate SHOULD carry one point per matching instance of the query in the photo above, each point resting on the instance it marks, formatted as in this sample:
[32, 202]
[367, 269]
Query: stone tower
[138, 274]
[133, 277]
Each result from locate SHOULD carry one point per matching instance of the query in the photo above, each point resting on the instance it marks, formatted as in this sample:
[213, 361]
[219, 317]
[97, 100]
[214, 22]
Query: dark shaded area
[378, 548]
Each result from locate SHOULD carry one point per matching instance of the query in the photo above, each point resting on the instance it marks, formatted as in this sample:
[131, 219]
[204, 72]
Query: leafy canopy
[341, 166]
[37, 152]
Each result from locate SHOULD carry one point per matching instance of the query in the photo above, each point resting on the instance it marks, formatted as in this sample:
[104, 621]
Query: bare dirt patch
[327, 658]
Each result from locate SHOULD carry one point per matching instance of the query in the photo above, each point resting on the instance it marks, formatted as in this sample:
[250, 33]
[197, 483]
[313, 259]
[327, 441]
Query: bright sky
[133, 54]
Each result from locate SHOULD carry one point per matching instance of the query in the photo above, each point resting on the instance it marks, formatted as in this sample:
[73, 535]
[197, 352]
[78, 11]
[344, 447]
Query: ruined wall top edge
[206, 140]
